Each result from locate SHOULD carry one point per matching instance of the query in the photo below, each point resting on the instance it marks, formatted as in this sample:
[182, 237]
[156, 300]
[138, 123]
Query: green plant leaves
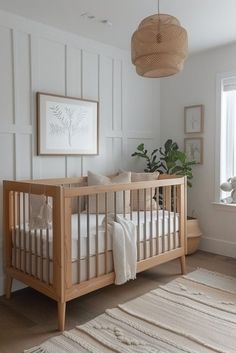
[168, 145]
[168, 159]
[140, 147]
[154, 151]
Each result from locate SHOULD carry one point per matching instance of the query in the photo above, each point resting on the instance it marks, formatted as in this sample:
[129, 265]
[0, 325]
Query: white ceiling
[209, 23]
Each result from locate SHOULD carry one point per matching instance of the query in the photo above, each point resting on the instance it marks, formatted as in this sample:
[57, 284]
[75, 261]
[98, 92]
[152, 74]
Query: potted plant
[169, 159]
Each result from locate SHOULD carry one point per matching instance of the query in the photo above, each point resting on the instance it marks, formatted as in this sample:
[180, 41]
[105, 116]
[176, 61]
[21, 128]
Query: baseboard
[220, 247]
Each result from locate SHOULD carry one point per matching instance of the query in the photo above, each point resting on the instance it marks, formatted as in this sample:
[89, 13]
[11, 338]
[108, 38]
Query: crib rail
[74, 255]
[29, 256]
[160, 226]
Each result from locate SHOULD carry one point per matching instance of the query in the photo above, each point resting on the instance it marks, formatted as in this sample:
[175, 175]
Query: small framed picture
[194, 149]
[66, 125]
[193, 119]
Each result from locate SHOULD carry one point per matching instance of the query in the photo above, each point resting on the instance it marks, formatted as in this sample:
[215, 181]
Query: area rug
[192, 314]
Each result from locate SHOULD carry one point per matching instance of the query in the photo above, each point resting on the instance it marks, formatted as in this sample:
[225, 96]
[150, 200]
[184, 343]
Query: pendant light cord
[158, 35]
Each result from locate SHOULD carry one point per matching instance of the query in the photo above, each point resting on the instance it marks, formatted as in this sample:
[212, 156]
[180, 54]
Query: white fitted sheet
[163, 228]
[40, 245]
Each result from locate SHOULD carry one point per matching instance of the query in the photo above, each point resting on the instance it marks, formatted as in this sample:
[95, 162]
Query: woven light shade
[159, 46]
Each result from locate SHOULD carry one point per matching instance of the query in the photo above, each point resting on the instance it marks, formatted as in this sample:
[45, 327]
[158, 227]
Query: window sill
[224, 206]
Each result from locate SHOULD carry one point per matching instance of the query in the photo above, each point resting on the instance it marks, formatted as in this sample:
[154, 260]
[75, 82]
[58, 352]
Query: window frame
[218, 134]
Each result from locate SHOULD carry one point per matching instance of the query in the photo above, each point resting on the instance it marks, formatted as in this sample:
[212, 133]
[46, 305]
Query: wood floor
[28, 318]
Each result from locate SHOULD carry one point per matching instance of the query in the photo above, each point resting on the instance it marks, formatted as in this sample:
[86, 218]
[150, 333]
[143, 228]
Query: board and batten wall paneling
[7, 156]
[52, 78]
[106, 94]
[73, 88]
[21, 45]
[41, 58]
[7, 166]
[117, 95]
[7, 77]
[73, 71]
[90, 79]
[197, 85]
[23, 160]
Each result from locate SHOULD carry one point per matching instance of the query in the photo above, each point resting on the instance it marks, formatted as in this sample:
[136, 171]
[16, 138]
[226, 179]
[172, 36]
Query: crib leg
[61, 309]
[183, 265]
[8, 286]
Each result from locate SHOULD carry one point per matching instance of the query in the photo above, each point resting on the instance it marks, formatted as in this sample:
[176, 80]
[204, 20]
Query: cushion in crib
[97, 179]
[135, 177]
[40, 212]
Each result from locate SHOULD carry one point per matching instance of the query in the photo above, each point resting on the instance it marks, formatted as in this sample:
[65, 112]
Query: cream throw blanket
[123, 234]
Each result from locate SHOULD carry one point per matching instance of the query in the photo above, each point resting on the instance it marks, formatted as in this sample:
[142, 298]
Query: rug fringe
[37, 349]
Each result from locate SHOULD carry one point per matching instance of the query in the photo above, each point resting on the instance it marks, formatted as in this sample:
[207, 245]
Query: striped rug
[192, 314]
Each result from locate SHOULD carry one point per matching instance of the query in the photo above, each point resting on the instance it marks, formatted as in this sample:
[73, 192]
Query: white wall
[197, 85]
[35, 58]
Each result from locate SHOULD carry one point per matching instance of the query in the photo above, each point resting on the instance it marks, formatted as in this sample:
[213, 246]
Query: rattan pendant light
[159, 46]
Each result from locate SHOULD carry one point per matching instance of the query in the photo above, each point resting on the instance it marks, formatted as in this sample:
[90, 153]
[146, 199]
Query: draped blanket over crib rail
[124, 252]
[67, 250]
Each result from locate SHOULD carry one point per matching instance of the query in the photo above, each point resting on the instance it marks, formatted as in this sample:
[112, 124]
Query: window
[226, 131]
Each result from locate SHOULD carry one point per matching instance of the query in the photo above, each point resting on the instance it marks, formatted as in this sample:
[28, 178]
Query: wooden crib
[73, 256]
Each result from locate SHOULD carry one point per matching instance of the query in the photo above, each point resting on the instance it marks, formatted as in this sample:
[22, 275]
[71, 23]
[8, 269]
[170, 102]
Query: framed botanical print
[194, 149]
[67, 125]
[193, 119]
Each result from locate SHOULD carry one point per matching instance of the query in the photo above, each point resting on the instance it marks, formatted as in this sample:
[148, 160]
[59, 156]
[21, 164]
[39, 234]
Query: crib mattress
[157, 224]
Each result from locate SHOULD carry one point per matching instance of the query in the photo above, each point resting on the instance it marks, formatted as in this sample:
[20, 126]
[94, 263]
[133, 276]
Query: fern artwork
[67, 125]
[67, 121]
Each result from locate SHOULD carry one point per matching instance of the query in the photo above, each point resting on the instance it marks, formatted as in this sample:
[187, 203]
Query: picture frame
[194, 149]
[67, 125]
[194, 119]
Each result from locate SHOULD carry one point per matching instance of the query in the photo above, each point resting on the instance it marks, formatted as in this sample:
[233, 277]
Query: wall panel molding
[14, 128]
[41, 58]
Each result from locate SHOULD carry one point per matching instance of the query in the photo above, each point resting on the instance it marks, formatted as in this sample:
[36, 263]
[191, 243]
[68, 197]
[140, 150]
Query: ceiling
[209, 23]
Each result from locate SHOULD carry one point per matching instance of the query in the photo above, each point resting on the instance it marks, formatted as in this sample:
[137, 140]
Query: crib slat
[30, 253]
[169, 219]
[8, 232]
[19, 226]
[47, 256]
[138, 229]
[97, 250]
[174, 209]
[180, 210]
[115, 205]
[24, 232]
[15, 230]
[47, 250]
[78, 241]
[106, 235]
[124, 210]
[157, 221]
[145, 222]
[35, 254]
[131, 205]
[151, 225]
[88, 240]
[163, 219]
[30, 240]
[41, 255]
